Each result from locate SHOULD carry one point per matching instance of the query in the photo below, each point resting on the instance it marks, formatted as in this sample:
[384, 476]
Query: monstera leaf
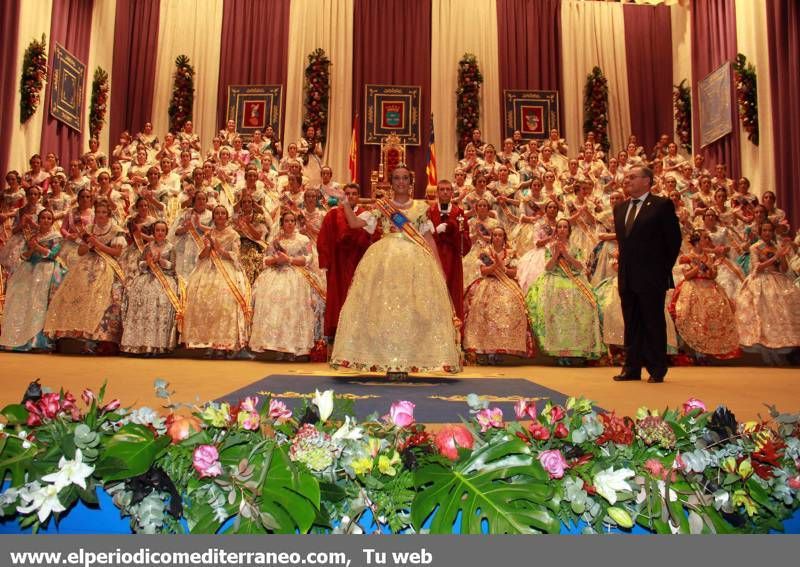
[290, 495]
[501, 483]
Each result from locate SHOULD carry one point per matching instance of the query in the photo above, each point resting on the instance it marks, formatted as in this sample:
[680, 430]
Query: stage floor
[744, 390]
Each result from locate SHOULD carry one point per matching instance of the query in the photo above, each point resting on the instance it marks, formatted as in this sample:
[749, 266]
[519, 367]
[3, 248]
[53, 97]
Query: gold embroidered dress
[397, 316]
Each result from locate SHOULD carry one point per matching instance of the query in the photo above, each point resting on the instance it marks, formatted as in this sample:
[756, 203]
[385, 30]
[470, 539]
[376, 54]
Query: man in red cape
[452, 242]
[340, 248]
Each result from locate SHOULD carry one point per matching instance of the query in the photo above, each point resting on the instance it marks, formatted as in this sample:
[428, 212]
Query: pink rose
[205, 461]
[557, 413]
[525, 408]
[279, 412]
[539, 431]
[401, 414]
[693, 404]
[490, 417]
[553, 462]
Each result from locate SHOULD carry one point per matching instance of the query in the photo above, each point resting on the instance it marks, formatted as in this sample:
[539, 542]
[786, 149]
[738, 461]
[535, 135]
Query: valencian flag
[431, 168]
[353, 165]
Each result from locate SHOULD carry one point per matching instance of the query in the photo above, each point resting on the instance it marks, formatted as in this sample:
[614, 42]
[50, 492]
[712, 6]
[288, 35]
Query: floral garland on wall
[468, 104]
[747, 96]
[317, 87]
[257, 467]
[181, 105]
[682, 109]
[595, 108]
[99, 105]
[34, 75]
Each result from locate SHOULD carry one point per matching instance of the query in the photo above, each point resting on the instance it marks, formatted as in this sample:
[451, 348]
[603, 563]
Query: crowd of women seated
[159, 246]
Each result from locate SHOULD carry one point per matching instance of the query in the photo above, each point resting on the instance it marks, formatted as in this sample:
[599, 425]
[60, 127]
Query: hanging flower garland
[595, 107]
[682, 107]
[747, 96]
[468, 110]
[97, 111]
[34, 75]
[182, 101]
[318, 87]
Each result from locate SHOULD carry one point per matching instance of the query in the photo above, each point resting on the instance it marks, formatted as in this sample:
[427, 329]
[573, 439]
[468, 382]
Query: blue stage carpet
[438, 400]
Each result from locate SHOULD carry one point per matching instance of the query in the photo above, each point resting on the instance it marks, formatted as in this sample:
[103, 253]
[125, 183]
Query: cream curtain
[457, 27]
[192, 28]
[593, 33]
[34, 20]
[328, 25]
[758, 163]
[101, 54]
[681, 48]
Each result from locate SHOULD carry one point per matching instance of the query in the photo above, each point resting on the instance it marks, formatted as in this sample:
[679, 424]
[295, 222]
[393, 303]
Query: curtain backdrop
[648, 50]
[9, 115]
[681, 51]
[595, 35]
[783, 25]
[758, 162]
[134, 66]
[100, 55]
[34, 20]
[329, 26]
[714, 43]
[392, 46]
[190, 33]
[529, 48]
[255, 41]
[458, 27]
[71, 27]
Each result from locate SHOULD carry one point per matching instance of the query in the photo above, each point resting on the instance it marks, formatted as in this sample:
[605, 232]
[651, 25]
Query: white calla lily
[324, 403]
[609, 481]
[348, 430]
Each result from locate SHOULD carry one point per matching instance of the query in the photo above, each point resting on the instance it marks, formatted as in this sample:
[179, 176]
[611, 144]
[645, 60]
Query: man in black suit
[649, 239]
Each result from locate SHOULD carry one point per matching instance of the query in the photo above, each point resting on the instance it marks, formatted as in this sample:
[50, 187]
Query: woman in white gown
[398, 317]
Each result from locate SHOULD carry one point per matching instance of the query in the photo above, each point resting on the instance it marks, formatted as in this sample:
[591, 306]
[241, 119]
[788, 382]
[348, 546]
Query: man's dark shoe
[655, 380]
[627, 377]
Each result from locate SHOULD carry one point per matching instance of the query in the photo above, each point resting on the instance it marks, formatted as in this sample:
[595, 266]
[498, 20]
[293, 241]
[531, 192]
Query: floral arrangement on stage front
[257, 467]
[181, 105]
[682, 107]
[99, 104]
[318, 88]
[34, 75]
[747, 96]
[468, 99]
[595, 107]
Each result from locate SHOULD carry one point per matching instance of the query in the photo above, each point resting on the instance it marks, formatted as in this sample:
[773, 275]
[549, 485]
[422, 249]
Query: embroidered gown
[480, 234]
[287, 310]
[88, 303]
[397, 316]
[531, 264]
[147, 313]
[186, 250]
[28, 294]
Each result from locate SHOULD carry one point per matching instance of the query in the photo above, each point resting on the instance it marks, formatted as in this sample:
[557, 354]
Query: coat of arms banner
[392, 109]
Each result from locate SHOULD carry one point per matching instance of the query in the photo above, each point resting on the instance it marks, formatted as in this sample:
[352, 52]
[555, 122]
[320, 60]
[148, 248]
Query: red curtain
[254, 48]
[648, 53]
[783, 40]
[71, 27]
[133, 70]
[714, 43]
[9, 116]
[529, 47]
[392, 46]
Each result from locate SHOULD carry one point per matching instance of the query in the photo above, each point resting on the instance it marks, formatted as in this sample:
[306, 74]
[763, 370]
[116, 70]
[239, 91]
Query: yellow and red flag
[353, 164]
[431, 168]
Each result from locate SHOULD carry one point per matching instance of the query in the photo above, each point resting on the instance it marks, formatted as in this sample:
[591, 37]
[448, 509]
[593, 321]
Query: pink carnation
[205, 461]
[553, 462]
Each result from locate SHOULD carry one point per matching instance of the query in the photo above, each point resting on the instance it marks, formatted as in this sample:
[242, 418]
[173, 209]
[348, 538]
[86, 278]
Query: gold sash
[312, 281]
[584, 289]
[112, 262]
[244, 304]
[178, 303]
[512, 286]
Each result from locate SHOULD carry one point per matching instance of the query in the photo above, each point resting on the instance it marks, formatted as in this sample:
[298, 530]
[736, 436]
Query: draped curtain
[595, 35]
[71, 27]
[9, 29]
[194, 33]
[134, 66]
[392, 46]
[783, 37]
[714, 43]
[648, 50]
[457, 27]
[330, 26]
[681, 49]
[529, 48]
[100, 55]
[255, 41]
